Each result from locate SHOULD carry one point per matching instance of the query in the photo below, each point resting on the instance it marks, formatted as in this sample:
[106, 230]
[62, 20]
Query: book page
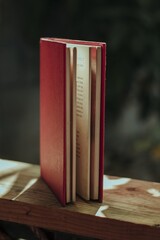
[68, 127]
[83, 112]
[87, 126]
[73, 122]
[95, 119]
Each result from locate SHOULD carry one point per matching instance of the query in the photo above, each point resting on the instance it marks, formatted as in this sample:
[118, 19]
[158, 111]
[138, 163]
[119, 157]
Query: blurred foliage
[130, 28]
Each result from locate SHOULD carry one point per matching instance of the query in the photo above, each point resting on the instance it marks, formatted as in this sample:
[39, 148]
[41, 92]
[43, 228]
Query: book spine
[102, 126]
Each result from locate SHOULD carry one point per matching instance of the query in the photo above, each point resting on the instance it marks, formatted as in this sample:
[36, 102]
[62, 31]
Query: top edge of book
[71, 41]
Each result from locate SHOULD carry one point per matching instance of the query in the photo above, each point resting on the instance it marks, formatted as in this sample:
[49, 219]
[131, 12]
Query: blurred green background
[131, 30]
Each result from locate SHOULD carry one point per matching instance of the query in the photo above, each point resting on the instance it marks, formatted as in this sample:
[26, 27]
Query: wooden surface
[130, 210]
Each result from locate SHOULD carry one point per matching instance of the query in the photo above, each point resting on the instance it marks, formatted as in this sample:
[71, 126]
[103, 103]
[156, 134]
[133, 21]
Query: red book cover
[53, 116]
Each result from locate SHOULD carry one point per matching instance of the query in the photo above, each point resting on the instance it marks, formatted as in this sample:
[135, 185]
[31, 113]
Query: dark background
[131, 30]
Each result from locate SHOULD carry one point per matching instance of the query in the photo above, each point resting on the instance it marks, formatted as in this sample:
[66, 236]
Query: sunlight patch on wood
[154, 192]
[6, 184]
[110, 184]
[29, 185]
[101, 211]
[9, 167]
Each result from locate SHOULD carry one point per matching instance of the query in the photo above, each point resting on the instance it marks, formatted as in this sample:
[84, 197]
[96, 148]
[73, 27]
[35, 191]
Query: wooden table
[130, 210]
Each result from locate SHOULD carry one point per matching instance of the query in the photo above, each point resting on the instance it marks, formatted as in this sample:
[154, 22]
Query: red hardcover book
[69, 70]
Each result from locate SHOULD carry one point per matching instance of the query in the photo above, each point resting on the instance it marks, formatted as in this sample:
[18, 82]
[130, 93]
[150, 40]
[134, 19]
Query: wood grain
[130, 210]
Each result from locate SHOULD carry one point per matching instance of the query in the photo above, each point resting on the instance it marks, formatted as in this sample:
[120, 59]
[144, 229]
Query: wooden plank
[130, 210]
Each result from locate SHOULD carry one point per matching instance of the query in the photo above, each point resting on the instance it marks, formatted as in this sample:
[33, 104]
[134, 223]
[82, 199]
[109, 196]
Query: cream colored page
[68, 128]
[95, 119]
[83, 111]
[73, 123]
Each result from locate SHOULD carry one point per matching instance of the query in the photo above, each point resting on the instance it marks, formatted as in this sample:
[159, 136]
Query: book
[72, 117]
